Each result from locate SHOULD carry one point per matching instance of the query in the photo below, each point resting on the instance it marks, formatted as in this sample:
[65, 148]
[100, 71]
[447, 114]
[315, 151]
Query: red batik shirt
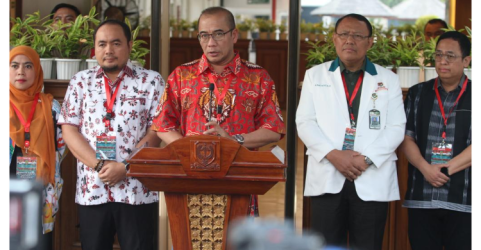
[250, 101]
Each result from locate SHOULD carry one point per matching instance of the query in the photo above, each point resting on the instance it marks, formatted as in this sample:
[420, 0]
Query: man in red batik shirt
[237, 97]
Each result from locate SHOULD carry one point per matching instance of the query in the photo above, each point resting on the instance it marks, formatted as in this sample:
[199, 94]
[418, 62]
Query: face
[349, 50]
[218, 53]
[451, 71]
[433, 30]
[22, 72]
[65, 15]
[111, 48]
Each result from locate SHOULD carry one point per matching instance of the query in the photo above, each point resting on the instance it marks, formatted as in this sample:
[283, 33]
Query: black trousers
[135, 225]
[336, 215]
[434, 228]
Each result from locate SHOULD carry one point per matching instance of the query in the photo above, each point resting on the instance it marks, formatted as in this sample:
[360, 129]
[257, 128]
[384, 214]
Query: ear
[466, 61]
[130, 45]
[235, 35]
[370, 41]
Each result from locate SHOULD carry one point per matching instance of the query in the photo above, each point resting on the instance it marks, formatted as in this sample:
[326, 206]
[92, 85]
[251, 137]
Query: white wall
[240, 7]
[190, 9]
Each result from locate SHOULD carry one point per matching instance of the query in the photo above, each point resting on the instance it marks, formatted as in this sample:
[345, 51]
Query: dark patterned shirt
[433, 197]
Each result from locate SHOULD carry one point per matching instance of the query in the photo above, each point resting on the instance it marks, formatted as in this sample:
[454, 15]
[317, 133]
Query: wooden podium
[207, 182]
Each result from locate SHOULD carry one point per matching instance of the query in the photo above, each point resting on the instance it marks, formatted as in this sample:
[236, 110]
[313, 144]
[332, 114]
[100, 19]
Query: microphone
[211, 89]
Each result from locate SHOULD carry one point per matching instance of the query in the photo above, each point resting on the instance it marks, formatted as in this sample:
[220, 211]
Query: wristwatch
[127, 165]
[99, 165]
[239, 138]
[367, 160]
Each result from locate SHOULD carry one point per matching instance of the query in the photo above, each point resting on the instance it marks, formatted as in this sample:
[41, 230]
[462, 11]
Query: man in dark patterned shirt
[438, 146]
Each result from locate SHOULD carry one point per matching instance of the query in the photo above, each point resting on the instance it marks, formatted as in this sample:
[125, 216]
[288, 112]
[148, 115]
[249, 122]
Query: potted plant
[406, 54]
[467, 71]
[312, 36]
[429, 50]
[138, 52]
[244, 27]
[195, 28]
[174, 27]
[263, 27]
[381, 51]
[72, 43]
[282, 30]
[184, 27]
[305, 29]
[321, 51]
[30, 32]
[145, 26]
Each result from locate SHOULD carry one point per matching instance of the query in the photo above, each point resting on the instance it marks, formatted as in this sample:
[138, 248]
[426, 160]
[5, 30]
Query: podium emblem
[205, 156]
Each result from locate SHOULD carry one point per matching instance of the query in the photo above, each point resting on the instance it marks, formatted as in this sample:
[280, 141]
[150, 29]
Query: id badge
[442, 153]
[374, 119]
[26, 167]
[106, 147]
[349, 139]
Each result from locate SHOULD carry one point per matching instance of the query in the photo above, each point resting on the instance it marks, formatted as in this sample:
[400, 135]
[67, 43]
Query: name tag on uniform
[374, 119]
[442, 153]
[105, 149]
[349, 137]
[26, 168]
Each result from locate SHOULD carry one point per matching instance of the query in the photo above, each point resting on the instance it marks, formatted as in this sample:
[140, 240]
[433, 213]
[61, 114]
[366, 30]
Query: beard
[113, 68]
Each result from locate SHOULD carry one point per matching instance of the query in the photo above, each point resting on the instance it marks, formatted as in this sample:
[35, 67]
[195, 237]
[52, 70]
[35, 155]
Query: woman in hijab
[36, 144]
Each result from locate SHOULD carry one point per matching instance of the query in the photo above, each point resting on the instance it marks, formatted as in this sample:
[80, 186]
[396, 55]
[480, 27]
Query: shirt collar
[127, 69]
[233, 66]
[460, 84]
[367, 66]
[343, 67]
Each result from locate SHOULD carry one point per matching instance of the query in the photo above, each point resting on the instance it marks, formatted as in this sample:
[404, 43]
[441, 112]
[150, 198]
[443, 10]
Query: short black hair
[215, 10]
[462, 40]
[358, 17]
[436, 20]
[124, 26]
[64, 5]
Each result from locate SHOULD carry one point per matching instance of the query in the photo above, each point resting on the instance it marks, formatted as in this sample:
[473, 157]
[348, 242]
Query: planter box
[91, 63]
[66, 68]
[47, 65]
[408, 76]
[430, 73]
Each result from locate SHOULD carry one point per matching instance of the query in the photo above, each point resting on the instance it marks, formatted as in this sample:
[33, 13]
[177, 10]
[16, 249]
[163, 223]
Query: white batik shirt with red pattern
[134, 108]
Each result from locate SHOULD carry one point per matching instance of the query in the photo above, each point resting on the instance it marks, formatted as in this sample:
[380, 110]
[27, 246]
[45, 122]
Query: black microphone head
[211, 87]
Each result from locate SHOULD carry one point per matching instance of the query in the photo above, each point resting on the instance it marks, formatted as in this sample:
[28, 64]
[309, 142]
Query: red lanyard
[441, 107]
[26, 125]
[220, 96]
[111, 100]
[354, 93]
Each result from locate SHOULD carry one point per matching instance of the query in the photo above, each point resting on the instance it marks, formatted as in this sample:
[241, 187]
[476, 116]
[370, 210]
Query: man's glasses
[344, 36]
[217, 36]
[449, 57]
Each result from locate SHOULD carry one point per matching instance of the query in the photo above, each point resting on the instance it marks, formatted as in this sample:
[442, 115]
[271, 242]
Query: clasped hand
[112, 172]
[350, 163]
[213, 128]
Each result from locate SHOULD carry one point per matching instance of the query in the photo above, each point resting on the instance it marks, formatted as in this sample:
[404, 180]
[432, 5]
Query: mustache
[109, 57]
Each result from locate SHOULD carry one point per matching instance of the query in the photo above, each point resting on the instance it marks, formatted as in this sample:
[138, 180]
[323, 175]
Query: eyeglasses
[358, 38]
[217, 36]
[449, 57]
